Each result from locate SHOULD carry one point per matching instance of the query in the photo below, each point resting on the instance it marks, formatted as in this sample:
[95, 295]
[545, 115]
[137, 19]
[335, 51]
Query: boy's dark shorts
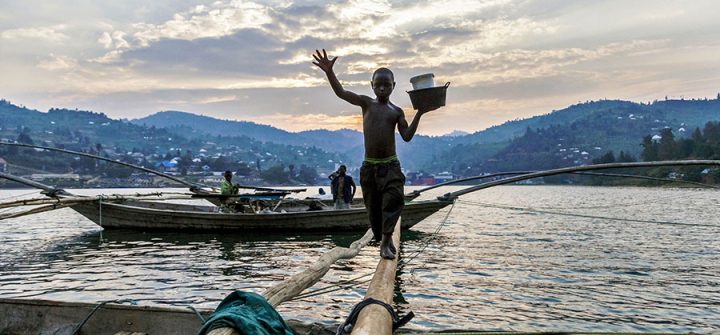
[383, 189]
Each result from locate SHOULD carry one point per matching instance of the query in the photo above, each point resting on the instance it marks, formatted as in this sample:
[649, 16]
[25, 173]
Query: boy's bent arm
[408, 131]
[326, 65]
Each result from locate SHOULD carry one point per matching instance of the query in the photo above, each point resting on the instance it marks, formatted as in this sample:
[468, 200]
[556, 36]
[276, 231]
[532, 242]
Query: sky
[251, 60]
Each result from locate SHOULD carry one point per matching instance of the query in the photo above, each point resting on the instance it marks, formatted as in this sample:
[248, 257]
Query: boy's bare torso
[379, 122]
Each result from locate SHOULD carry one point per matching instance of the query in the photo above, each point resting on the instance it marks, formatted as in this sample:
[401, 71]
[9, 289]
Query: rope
[429, 239]
[537, 333]
[198, 313]
[528, 209]
[77, 330]
[100, 209]
[18, 196]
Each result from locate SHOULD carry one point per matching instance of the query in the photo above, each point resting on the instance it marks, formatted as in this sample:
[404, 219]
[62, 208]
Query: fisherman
[340, 184]
[381, 179]
[227, 188]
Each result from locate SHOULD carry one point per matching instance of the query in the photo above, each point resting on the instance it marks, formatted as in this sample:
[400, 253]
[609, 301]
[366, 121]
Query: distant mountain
[457, 133]
[201, 126]
[217, 127]
[578, 134]
[141, 144]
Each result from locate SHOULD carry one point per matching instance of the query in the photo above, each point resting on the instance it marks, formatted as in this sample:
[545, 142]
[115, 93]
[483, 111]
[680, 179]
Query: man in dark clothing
[340, 185]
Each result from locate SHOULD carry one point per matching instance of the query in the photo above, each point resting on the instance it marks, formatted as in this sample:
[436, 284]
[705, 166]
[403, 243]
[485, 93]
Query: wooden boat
[162, 215]
[45, 317]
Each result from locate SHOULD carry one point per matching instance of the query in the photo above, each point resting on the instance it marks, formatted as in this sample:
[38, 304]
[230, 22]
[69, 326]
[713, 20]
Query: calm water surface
[506, 259]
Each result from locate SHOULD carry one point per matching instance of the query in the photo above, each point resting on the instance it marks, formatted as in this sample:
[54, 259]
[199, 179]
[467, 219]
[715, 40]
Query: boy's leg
[393, 202]
[372, 199]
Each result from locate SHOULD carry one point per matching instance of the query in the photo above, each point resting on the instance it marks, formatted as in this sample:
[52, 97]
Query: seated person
[227, 188]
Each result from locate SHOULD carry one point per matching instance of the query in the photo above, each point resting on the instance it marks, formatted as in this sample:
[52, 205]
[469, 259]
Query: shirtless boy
[381, 180]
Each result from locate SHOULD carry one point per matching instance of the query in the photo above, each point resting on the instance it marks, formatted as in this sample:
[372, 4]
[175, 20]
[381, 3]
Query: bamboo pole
[375, 319]
[416, 193]
[188, 184]
[292, 286]
[453, 195]
[78, 199]
[297, 283]
[26, 182]
[36, 210]
[195, 187]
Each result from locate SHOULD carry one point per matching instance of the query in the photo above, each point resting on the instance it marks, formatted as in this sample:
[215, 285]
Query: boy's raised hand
[323, 62]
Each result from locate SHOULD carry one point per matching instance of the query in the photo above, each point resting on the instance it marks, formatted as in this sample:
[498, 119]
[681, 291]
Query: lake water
[507, 258]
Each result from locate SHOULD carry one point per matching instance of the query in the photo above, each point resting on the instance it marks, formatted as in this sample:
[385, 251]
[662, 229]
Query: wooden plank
[297, 283]
[375, 319]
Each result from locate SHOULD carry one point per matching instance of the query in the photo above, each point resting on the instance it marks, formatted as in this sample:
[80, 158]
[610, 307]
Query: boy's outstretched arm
[408, 131]
[326, 65]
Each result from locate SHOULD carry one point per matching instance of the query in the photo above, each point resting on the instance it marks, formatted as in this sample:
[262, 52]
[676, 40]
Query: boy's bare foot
[387, 249]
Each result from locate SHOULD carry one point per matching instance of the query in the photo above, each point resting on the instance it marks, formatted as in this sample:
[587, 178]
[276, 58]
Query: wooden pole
[292, 286]
[573, 169]
[195, 187]
[26, 181]
[295, 284]
[375, 319]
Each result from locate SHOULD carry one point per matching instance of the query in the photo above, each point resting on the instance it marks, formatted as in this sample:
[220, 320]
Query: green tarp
[249, 314]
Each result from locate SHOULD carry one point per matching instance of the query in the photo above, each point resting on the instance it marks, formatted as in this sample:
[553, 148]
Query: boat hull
[45, 317]
[157, 215]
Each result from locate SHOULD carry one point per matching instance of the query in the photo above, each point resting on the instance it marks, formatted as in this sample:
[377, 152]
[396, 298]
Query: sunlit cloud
[57, 63]
[220, 20]
[211, 100]
[47, 33]
[505, 58]
[314, 121]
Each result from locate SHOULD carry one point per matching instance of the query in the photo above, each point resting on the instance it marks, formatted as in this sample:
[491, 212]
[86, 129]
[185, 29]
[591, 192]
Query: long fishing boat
[162, 215]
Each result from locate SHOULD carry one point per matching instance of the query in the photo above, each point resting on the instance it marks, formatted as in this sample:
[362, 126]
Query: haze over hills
[555, 139]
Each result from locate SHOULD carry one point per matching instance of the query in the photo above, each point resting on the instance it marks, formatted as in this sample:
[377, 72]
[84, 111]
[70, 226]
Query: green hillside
[95, 133]
[581, 133]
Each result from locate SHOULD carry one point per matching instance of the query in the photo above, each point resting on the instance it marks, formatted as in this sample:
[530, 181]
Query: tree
[697, 135]
[307, 174]
[25, 138]
[275, 175]
[243, 170]
[608, 157]
[667, 149]
[650, 151]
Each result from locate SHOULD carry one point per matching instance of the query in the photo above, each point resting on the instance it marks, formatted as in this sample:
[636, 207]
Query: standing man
[340, 185]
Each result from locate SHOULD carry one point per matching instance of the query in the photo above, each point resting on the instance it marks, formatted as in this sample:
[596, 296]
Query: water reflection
[488, 268]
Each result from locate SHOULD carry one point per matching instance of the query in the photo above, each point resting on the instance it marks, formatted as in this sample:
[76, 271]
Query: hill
[581, 133]
[95, 133]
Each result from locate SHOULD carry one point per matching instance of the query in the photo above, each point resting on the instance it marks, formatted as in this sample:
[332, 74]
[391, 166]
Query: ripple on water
[488, 268]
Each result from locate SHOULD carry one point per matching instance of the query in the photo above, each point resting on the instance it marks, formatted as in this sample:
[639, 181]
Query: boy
[381, 180]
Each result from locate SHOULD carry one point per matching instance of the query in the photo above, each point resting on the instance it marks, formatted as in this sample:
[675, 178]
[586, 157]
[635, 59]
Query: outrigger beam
[194, 187]
[375, 319]
[416, 193]
[575, 169]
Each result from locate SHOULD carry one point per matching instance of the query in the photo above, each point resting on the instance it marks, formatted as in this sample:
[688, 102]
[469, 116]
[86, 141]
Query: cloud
[57, 63]
[211, 100]
[312, 121]
[252, 58]
[221, 19]
[47, 33]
